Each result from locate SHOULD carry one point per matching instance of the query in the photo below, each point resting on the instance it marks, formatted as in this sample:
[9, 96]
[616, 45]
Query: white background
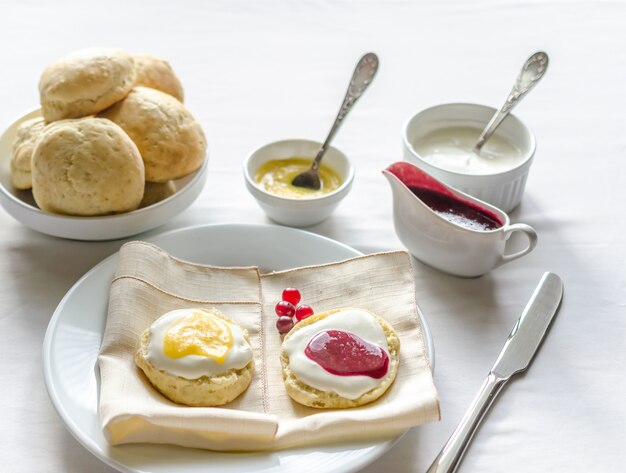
[265, 70]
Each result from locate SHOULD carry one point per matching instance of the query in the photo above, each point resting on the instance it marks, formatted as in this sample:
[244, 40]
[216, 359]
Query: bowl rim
[532, 148]
[153, 207]
[345, 185]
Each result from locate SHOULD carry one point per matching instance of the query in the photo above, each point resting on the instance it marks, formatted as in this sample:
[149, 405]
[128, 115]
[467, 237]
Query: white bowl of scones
[112, 151]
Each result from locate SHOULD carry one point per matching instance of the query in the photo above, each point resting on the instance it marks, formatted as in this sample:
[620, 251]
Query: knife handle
[450, 456]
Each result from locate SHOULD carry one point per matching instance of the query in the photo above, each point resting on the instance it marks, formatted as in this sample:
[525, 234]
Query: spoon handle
[361, 78]
[534, 68]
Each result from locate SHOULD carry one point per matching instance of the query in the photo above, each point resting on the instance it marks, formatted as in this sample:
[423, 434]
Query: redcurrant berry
[303, 311]
[284, 308]
[284, 324]
[291, 294]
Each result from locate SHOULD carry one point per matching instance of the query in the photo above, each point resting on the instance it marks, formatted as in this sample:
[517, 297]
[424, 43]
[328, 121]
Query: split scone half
[340, 358]
[196, 357]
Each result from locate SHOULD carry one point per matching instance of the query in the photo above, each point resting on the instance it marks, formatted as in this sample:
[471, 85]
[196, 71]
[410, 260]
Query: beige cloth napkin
[149, 282]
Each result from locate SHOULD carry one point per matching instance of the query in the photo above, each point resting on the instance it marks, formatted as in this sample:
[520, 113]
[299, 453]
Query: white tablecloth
[259, 71]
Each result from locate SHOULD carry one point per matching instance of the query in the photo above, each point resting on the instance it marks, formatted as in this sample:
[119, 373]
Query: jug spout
[412, 219]
[405, 202]
[397, 186]
[410, 176]
[402, 177]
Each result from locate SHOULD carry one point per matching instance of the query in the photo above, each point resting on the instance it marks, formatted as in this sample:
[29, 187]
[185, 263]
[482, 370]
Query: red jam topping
[456, 211]
[345, 354]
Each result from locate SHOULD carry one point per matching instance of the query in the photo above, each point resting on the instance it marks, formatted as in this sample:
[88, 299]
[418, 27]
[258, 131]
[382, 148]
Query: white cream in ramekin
[502, 185]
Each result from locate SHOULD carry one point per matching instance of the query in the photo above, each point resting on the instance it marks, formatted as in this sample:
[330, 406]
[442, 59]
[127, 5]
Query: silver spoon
[362, 77]
[534, 68]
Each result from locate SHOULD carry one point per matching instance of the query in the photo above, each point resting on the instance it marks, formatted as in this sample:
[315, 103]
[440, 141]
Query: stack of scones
[113, 136]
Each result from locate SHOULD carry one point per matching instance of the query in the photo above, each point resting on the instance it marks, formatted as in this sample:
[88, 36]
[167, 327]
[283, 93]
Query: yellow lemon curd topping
[275, 177]
[200, 333]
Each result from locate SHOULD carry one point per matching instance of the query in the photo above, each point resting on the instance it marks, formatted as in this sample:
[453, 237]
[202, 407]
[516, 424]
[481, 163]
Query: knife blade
[530, 328]
[515, 357]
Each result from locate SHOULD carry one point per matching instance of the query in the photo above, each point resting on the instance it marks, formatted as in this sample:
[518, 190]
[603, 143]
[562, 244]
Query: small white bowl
[292, 211]
[21, 205]
[501, 189]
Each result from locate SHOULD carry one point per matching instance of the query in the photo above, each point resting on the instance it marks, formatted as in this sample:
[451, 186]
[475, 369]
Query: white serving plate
[21, 205]
[75, 332]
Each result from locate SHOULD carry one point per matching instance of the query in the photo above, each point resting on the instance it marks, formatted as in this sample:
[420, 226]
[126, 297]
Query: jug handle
[526, 230]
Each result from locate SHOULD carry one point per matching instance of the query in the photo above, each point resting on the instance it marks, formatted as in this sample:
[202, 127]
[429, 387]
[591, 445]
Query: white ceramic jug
[450, 247]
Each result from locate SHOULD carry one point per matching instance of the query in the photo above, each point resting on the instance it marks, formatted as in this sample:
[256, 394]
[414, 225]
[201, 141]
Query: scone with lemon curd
[85, 82]
[340, 358]
[157, 74]
[196, 357]
[28, 134]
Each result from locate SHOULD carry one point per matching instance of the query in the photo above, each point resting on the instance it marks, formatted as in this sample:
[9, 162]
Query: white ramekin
[292, 211]
[503, 189]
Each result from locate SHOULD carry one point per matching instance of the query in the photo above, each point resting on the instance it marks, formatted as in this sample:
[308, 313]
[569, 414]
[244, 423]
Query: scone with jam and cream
[340, 358]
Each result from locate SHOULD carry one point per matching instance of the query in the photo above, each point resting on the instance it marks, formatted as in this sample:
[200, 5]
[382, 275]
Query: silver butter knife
[515, 357]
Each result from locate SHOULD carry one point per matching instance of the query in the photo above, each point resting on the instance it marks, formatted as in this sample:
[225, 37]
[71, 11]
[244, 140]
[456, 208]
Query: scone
[85, 82]
[157, 74]
[340, 358]
[169, 139]
[156, 192]
[197, 357]
[86, 166]
[28, 134]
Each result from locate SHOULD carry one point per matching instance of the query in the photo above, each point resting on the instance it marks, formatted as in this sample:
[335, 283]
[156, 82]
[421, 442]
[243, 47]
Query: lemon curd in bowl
[310, 207]
[275, 176]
